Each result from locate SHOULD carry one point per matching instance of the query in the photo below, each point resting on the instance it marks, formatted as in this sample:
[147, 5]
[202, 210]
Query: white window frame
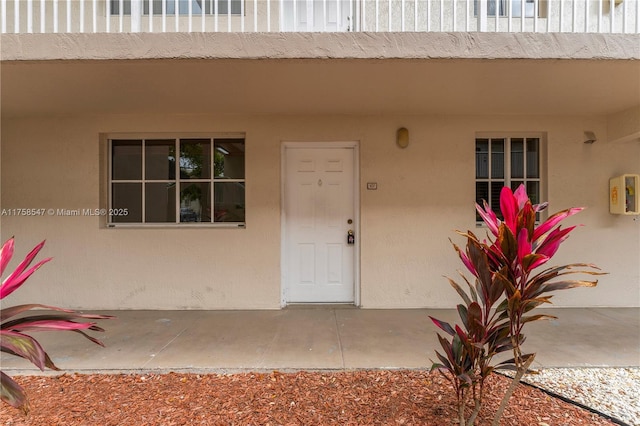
[507, 179]
[508, 8]
[215, 6]
[211, 180]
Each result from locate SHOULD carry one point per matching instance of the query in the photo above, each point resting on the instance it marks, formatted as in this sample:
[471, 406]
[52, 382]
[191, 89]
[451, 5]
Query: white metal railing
[98, 16]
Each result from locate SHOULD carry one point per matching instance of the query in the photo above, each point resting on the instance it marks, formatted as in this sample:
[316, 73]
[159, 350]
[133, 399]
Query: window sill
[174, 225]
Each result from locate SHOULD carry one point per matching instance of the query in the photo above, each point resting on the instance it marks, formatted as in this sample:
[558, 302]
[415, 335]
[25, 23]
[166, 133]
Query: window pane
[489, 192]
[160, 202]
[496, 188]
[223, 7]
[533, 158]
[195, 159]
[229, 202]
[196, 6]
[491, 7]
[516, 8]
[126, 160]
[517, 158]
[482, 158]
[127, 196]
[533, 191]
[497, 158]
[160, 160]
[157, 7]
[195, 202]
[183, 7]
[115, 7]
[229, 158]
[482, 194]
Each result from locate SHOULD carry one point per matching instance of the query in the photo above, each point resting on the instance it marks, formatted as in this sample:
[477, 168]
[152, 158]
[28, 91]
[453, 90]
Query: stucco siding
[369, 45]
[425, 192]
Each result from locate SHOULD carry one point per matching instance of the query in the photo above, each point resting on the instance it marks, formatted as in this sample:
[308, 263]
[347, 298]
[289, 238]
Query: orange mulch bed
[367, 397]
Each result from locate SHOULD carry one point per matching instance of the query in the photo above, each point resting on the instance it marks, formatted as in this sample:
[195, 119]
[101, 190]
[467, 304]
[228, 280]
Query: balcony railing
[100, 16]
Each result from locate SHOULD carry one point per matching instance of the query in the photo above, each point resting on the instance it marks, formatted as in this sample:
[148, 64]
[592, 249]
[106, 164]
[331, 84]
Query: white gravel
[612, 391]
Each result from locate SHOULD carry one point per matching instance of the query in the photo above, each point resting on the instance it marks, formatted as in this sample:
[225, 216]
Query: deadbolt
[349, 221]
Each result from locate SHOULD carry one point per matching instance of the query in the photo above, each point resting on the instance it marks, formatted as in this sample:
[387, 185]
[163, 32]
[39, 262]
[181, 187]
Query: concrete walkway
[320, 337]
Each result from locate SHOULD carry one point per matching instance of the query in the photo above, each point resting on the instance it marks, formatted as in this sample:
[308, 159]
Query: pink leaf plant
[506, 287]
[13, 339]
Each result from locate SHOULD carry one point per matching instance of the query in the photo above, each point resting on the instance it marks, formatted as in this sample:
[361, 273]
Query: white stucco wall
[425, 192]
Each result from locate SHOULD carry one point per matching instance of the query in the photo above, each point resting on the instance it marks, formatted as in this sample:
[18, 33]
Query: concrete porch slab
[312, 338]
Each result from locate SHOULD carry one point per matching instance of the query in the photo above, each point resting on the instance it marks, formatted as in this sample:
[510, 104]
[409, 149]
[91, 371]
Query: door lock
[351, 238]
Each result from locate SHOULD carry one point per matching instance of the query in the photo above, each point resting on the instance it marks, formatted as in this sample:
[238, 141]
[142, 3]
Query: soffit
[320, 86]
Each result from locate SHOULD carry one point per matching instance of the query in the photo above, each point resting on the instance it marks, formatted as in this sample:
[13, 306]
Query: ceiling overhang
[380, 81]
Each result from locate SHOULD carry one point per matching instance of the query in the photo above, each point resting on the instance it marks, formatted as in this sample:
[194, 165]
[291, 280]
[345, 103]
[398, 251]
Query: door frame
[355, 145]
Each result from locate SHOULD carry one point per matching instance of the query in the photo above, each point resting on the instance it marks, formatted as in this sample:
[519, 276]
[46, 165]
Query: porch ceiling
[320, 86]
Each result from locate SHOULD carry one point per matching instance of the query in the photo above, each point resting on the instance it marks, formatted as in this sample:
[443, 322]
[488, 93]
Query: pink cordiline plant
[13, 339]
[507, 286]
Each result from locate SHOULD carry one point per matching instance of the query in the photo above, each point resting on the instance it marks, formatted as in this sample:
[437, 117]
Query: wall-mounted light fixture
[589, 137]
[402, 137]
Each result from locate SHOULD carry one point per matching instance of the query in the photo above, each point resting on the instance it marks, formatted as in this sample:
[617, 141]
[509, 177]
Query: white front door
[319, 211]
[317, 15]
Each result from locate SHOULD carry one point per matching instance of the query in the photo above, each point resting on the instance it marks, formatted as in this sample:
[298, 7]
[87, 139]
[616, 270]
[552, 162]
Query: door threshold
[348, 305]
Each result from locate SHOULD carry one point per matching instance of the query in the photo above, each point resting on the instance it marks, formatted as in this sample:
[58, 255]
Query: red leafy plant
[13, 339]
[507, 285]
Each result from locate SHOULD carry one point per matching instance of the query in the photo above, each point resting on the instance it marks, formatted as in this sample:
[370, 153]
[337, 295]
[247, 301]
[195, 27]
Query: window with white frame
[169, 181]
[507, 161]
[514, 6]
[211, 7]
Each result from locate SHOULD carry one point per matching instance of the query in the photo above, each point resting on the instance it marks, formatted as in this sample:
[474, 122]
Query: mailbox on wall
[623, 194]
